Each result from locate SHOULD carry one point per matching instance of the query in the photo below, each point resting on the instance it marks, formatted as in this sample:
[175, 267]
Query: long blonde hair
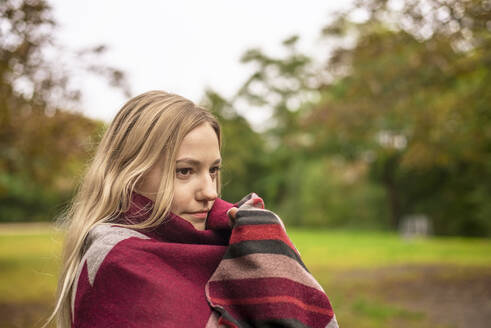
[147, 127]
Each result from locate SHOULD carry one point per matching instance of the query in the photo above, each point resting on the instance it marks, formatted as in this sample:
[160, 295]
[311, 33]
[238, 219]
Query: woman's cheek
[182, 195]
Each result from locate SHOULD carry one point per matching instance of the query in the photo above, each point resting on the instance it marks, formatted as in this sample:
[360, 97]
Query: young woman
[148, 242]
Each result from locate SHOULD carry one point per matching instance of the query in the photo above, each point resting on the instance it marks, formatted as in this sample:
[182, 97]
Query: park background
[389, 123]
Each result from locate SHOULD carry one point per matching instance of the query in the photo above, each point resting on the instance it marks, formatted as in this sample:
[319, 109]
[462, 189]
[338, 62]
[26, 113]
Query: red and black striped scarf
[236, 273]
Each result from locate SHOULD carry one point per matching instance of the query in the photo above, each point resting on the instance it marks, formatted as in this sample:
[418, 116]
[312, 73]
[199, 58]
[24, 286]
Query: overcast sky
[183, 46]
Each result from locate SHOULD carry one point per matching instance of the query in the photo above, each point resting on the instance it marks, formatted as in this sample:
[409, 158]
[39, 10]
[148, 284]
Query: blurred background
[365, 125]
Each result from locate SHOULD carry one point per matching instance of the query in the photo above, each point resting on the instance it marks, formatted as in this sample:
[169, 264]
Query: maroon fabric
[156, 282]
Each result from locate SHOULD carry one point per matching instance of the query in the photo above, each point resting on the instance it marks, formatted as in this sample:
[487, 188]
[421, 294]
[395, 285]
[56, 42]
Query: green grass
[349, 250]
[357, 298]
[29, 264]
[29, 261]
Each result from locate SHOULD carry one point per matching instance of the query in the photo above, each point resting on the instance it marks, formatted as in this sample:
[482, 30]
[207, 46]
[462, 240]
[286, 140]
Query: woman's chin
[198, 224]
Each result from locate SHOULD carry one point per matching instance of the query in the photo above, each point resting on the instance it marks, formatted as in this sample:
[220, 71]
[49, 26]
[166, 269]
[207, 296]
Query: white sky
[183, 46]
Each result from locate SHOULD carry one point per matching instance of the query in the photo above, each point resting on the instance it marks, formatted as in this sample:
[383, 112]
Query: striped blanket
[261, 280]
[243, 272]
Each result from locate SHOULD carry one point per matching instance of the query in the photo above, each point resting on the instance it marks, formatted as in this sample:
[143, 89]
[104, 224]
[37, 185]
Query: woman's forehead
[201, 144]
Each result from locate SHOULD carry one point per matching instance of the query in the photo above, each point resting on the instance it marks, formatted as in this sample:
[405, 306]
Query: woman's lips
[199, 215]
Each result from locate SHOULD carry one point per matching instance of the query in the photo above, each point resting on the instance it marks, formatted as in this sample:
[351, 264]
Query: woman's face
[195, 185]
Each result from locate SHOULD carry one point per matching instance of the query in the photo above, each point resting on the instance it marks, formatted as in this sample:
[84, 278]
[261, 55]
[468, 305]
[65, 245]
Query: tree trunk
[391, 191]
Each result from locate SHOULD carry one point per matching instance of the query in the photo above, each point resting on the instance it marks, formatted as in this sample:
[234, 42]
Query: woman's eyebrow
[196, 162]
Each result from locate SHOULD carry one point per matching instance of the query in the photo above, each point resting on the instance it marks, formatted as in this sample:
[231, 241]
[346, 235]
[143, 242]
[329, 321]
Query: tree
[402, 104]
[41, 145]
[279, 85]
[411, 96]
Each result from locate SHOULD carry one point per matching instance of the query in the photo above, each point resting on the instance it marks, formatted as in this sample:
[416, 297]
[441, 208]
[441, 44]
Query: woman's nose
[208, 189]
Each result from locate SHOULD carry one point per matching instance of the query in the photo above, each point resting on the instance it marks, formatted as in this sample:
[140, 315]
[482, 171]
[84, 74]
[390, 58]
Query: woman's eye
[183, 171]
[214, 170]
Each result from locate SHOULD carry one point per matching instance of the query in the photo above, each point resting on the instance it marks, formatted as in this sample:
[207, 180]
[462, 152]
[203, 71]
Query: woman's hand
[232, 212]
[255, 201]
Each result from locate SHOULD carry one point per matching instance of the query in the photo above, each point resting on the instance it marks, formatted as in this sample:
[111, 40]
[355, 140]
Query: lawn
[378, 279]
[361, 249]
[374, 279]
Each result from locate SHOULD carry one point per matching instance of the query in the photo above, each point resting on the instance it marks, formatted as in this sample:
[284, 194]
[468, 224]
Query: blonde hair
[147, 127]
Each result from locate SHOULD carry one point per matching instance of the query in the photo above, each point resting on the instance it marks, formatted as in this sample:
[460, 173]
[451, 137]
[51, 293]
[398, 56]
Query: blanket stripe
[252, 217]
[261, 232]
[262, 281]
[261, 247]
[266, 287]
[275, 323]
[274, 299]
[274, 311]
[263, 266]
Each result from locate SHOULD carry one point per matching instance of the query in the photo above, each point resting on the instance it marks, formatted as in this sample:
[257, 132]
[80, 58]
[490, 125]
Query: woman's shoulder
[103, 237]
[105, 246]
[108, 238]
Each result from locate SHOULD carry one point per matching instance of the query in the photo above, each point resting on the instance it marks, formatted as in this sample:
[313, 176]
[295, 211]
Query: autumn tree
[42, 146]
[411, 96]
[401, 104]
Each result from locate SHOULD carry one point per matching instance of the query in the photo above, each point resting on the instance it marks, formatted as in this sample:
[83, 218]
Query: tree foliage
[395, 122]
[401, 106]
[413, 96]
[42, 147]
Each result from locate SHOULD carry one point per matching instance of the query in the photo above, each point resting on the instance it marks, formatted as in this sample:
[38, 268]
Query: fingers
[254, 201]
[258, 202]
[232, 212]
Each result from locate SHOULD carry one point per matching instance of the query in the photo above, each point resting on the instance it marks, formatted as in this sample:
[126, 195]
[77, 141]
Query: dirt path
[25, 315]
[449, 296]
